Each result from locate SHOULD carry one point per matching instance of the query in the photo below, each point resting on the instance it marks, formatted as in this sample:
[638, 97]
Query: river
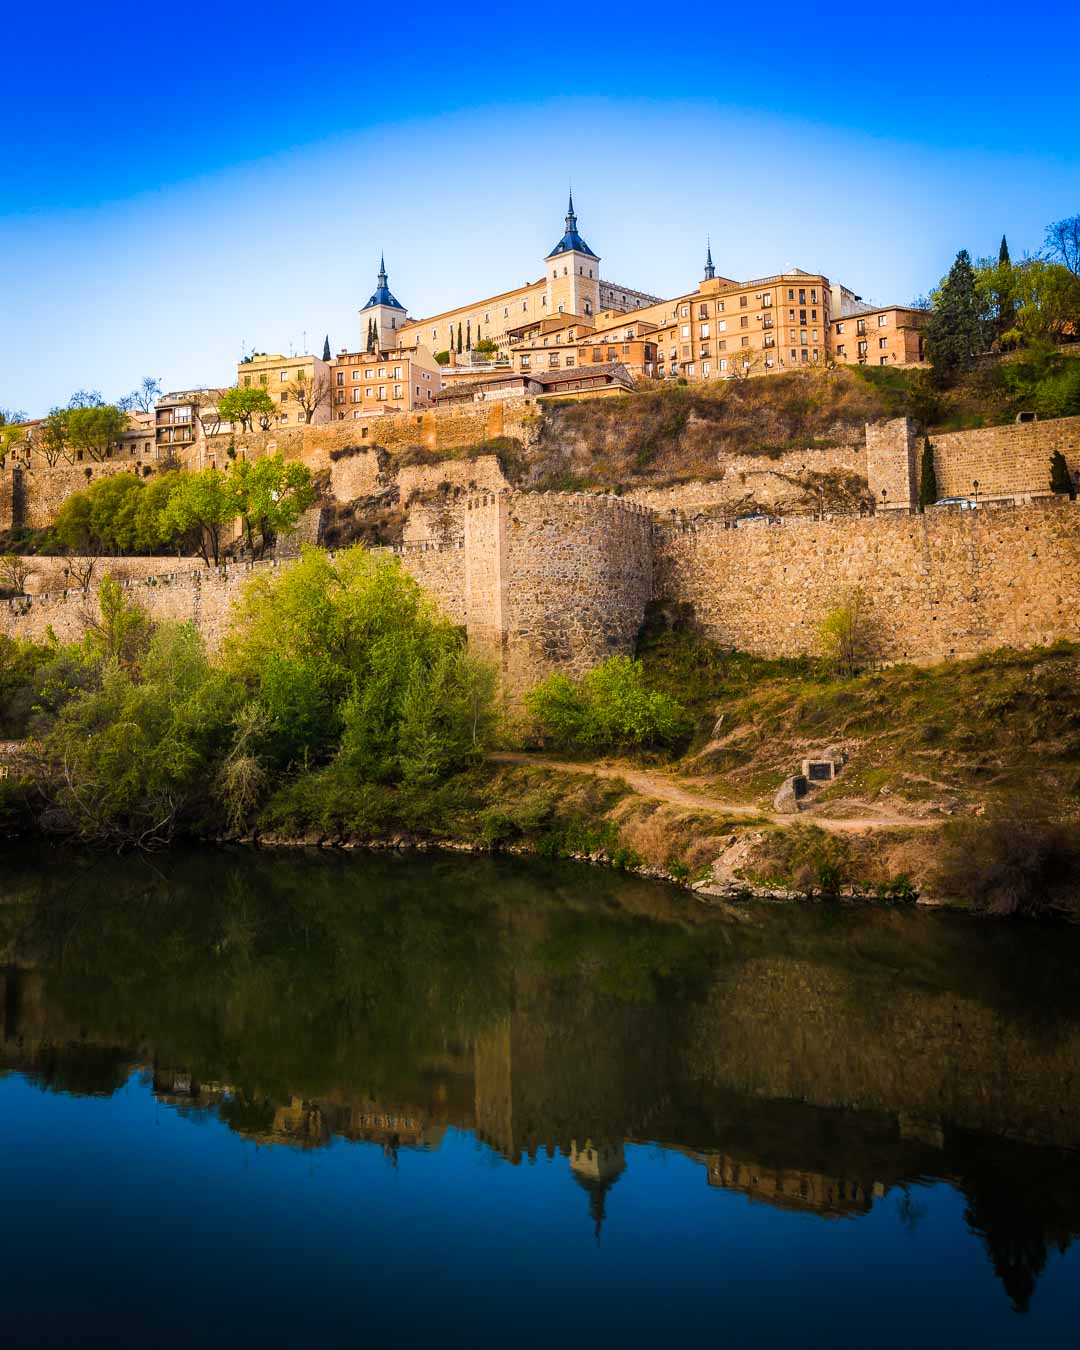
[340, 1099]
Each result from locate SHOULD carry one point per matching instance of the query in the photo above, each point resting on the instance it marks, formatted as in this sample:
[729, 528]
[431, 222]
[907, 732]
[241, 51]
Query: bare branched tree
[143, 398]
[310, 394]
[1063, 243]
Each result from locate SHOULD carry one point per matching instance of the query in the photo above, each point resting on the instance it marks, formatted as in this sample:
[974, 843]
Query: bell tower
[382, 316]
[573, 273]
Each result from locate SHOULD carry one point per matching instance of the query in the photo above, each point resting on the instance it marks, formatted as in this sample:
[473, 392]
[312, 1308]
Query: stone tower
[573, 273]
[388, 313]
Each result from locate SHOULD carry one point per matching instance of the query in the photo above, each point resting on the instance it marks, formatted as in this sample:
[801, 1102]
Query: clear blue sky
[183, 179]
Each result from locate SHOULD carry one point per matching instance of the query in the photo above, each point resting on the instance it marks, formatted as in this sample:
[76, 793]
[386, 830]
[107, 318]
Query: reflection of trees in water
[1019, 1225]
[382, 998]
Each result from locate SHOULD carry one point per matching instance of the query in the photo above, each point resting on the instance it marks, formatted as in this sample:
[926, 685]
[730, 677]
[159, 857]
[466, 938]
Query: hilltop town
[564, 469]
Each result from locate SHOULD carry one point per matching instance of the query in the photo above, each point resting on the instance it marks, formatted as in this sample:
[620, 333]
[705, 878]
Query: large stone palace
[572, 329]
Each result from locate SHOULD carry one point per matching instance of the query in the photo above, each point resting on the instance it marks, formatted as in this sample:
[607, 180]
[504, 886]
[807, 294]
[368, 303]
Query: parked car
[964, 503]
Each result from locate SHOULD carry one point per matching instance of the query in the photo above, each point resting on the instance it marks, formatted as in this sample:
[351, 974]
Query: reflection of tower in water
[596, 1168]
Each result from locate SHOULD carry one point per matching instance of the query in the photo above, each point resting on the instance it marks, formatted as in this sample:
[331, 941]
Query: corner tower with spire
[573, 273]
[383, 315]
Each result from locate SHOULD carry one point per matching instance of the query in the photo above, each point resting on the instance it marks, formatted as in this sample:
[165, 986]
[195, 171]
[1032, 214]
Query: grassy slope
[958, 734]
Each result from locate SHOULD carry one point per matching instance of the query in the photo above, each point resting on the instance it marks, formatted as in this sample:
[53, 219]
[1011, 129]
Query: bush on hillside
[611, 710]
[1017, 860]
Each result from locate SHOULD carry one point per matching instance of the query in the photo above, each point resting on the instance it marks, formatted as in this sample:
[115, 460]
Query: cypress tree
[928, 489]
[954, 332]
[1006, 305]
[459, 338]
[1060, 479]
[468, 336]
[326, 348]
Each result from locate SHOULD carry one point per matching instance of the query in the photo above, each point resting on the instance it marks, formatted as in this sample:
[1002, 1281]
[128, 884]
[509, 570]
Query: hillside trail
[660, 787]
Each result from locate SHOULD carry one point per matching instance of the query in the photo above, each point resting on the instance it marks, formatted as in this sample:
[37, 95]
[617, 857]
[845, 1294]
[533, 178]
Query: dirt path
[647, 783]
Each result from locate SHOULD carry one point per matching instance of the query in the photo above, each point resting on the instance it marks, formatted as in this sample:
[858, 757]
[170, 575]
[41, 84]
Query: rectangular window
[721, 326]
[744, 342]
[369, 392]
[382, 372]
[685, 330]
[839, 328]
[862, 348]
[744, 300]
[721, 346]
[283, 375]
[882, 320]
[802, 337]
[247, 381]
[840, 350]
[356, 395]
[766, 299]
[744, 322]
[882, 343]
[860, 326]
[382, 390]
[284, 417]
[398, 391]
[685, 311]
[791, 296]
[813, 296]
[569, 359]
[802, 315]
[802, 296]
[706, 369]
[285, 397]
[723, 366]
[719, 306]
[690, 368]
[341, 377]
[703, 311]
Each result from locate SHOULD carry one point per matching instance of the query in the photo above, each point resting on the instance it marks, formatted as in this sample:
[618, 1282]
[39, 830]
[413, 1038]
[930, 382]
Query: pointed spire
[382, 269]
[710, 270]
[571, 218]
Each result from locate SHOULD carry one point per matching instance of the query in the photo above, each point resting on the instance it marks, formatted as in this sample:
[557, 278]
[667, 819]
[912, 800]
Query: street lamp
[975, 485]
[884, 497]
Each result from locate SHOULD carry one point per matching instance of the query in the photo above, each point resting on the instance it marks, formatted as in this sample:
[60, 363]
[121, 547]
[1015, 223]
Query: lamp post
[884, 498]
[975, 485]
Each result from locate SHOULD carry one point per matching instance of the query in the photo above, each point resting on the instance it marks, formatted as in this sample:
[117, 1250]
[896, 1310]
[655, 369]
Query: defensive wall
[945, 584]
[547, 581]
[361, 459]
[557, 581]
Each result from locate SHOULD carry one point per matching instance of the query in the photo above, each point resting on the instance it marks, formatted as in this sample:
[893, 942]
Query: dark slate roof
[571, 241]
[382, 295]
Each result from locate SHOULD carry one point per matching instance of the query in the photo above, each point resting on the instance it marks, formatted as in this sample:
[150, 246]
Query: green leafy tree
[1060, 478]
[244, 405]
[339, 653]
[928, 488]
[486, 347]
[130, 760]
[954, 331]
[270, 497]
[326, 348]
[120, 633]
[847, 636]
[95, 429]
[53, 435]
[203, 504]
[610, 710]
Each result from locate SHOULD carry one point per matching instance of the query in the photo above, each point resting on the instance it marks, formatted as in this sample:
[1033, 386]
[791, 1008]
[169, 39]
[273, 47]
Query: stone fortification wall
[555, 581]
[773, 481]
[947, 583]
[1007, 461]
[48, 574]
[45, 488]
[204, 596]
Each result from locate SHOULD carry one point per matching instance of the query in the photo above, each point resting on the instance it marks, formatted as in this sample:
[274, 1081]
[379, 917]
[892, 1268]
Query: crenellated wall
[555, 580]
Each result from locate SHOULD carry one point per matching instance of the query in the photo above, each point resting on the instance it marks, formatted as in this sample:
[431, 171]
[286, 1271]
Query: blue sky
[183, 180]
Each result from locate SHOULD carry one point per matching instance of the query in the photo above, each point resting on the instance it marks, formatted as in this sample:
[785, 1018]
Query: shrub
[1014, 861]
[611, 710]
[847, 636]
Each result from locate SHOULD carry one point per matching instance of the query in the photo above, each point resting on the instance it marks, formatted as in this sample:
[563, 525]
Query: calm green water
[337, 1100]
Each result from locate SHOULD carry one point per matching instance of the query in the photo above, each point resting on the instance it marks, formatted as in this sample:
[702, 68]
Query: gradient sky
[184, 182]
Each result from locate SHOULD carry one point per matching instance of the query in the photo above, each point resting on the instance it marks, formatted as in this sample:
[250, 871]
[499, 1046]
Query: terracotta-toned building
[396, 380]
[891, 335]
[299, 386]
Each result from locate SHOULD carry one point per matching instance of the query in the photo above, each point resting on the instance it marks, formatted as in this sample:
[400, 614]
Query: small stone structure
[790, 793]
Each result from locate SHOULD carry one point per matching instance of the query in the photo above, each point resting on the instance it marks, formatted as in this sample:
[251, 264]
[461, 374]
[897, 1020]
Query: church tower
[382, 316]
[710, 270]
[573, 273]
